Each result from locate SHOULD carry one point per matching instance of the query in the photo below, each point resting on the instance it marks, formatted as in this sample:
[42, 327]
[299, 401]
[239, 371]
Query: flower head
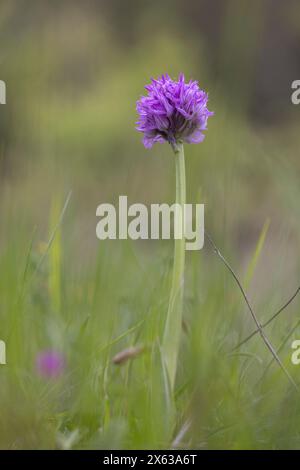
[50, 364]
[173, 111]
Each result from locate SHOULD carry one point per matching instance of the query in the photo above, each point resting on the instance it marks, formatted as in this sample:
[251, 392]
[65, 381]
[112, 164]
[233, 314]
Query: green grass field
[68, 145]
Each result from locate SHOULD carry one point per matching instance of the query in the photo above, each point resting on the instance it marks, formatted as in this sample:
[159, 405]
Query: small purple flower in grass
[50, 364]
[173, 111]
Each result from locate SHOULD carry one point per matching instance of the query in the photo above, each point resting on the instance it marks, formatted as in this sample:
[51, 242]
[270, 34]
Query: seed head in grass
[50, 364]
[173, 111]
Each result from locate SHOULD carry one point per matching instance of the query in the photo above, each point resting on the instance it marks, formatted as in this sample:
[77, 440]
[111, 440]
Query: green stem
[171, 338]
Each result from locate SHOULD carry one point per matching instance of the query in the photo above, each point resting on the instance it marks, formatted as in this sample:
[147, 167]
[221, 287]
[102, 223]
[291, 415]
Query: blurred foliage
[73, 72]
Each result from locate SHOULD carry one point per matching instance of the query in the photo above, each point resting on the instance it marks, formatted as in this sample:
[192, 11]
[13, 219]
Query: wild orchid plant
[174, 112]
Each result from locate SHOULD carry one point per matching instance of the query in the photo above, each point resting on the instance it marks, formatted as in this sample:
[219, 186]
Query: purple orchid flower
[50, 364]
[173, 111]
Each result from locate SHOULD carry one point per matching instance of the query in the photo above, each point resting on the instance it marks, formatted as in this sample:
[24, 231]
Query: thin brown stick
[255, 319]
[288, 336]
[268, 321]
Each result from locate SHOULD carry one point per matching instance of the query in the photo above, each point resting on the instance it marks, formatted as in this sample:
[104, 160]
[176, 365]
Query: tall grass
[119, 302]
[60, 288]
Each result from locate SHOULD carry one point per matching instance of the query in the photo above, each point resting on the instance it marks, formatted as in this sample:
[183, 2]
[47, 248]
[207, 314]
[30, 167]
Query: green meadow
[67, 144]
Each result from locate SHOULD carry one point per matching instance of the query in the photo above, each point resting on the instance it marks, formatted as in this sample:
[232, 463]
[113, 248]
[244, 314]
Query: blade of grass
[54, 281]
[288, 336]
[268, 321]
[257, 253]
[255, 319]
[51, 238]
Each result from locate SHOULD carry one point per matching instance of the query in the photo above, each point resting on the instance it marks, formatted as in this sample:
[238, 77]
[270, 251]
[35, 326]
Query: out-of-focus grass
[120, 300]
[91, 299]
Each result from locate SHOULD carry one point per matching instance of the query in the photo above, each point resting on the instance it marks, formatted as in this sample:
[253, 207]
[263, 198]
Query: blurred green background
[73, 72]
